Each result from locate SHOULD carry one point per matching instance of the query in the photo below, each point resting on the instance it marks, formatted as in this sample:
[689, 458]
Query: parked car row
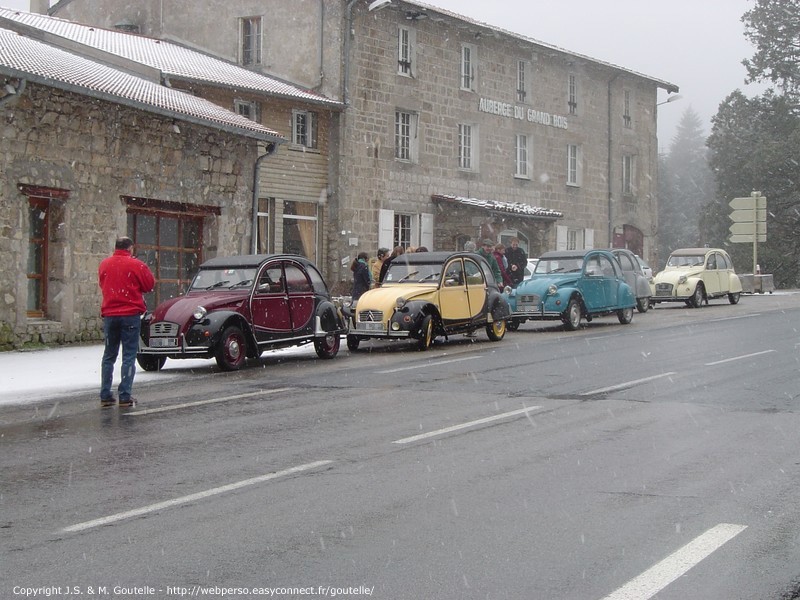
[238, 307]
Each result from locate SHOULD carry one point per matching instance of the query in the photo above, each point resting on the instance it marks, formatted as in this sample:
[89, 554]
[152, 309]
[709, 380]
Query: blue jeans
[125, 331]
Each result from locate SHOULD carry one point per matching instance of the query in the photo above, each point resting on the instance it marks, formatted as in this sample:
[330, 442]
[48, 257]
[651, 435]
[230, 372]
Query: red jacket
[123, 281]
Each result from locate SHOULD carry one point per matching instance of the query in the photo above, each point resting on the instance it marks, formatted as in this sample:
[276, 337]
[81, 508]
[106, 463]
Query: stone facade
[87, 156]
[350, 53]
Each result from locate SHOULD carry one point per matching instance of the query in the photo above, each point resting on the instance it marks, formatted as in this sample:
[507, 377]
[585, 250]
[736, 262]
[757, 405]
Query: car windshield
[558, 265]
[694, 260]
[223, 279]
[416, 273]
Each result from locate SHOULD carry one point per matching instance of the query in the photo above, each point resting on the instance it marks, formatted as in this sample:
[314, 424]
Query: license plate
[164, 342]
[370, 326]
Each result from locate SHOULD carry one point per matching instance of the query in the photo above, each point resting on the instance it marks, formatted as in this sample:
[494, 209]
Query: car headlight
[682, 279]
[400, 303]
[552, 290]
[199, 313]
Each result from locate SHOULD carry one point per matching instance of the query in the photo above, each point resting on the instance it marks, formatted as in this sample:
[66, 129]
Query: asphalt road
[655, 459]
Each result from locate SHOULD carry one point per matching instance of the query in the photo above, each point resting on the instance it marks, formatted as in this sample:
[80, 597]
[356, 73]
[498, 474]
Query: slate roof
[514, 208]
[25, 58]
[170, 59]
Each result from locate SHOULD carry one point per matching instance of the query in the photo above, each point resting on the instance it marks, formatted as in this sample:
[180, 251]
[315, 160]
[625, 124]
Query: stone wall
[96, 152]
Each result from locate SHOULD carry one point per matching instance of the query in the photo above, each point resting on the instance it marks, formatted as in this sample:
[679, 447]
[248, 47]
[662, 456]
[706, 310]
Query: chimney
[40, 6]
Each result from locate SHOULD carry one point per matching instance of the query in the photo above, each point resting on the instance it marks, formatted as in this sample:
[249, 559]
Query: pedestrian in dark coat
[361, 277]
[517, 261]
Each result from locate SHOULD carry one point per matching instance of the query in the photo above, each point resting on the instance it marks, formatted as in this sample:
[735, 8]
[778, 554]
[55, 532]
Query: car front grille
[663, 289]
[370, 316]
[164, 328]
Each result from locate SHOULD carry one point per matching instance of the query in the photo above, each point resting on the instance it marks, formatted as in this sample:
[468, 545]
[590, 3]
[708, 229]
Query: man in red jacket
[123, 280]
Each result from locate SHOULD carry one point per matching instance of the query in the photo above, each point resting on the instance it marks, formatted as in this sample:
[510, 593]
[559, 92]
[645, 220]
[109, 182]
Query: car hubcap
[234, 349]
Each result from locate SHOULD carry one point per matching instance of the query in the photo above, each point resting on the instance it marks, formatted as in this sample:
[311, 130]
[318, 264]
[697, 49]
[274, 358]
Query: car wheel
[697, 298]
[625, 315]
[148, 362]
[232, 349]
[642, 304]
[426, 333]
[513, 324]
[328, 346]
[352, 343]
[496, 330]
[734, 298]
[572, 316]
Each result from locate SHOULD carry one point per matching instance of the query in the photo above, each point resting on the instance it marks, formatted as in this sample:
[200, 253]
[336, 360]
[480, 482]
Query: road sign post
[749, 216]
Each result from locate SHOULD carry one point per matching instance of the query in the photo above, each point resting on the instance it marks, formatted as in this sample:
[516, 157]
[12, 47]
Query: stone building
[521, 138]
[105, 133]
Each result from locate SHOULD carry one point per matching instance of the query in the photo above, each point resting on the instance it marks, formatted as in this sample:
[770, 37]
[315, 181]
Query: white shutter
[588, 239]
[386, 229]
[561, 237]
[426, 231]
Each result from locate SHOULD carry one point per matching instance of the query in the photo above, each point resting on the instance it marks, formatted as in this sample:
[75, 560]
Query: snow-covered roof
[671, 87]
[25, 58]
[515, 208]
[172, 60]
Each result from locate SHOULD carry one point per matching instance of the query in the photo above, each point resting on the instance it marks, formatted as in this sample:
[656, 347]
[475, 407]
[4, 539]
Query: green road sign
[746, 239]
[743, 215]
[750, 202]
[747, 228]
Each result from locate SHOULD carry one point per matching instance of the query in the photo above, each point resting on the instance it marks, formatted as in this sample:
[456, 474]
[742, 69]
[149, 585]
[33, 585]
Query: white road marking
[423, 436]
[192, 497]
[735, 317]
[627, 384]
[660, 575]
[719, 362]
[430, 364]
[150, 411]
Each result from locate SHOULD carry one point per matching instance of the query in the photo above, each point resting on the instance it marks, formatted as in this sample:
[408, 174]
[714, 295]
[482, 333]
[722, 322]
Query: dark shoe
[107, 402]
[128, 402]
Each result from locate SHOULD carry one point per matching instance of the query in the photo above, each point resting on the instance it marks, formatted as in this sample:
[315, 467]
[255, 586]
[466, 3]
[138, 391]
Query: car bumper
[534, 308]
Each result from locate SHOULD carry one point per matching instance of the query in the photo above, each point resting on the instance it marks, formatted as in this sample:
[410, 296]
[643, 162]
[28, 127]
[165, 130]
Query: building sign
[504, 109]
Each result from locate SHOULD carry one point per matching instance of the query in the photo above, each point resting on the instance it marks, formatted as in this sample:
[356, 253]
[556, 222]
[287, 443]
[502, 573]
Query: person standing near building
[123, 281]
[487, 251]
[375, 265]
[502, 263]
[361, 276]
[517, 261]
[398, 251]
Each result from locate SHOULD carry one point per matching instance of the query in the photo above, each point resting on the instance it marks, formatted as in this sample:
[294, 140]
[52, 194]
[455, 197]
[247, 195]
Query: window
[38, 213]
[627, 175]
[568, 238]
[405, 136]
[248, 110]
[406, 42]
[522, 90]
[467, 147]
[304, 128]
[250, 40]
[468, 56]
[574, 165]
[627, 121]
[44, 269]
[572, 103]
[522, 156]
[402, 230]
[171, 245]
[300, 229]
[264, 234]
